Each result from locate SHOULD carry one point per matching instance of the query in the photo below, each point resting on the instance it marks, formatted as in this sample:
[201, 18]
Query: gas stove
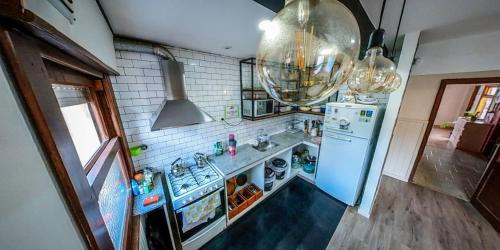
[198, 179]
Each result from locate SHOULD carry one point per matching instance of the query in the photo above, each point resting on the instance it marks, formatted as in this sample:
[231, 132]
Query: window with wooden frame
[72, 107]
[483, 102]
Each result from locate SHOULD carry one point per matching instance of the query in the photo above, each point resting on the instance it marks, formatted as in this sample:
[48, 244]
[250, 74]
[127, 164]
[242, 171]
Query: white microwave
[260, 107]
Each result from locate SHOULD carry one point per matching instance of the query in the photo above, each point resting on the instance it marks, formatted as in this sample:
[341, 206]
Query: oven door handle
[207, 194]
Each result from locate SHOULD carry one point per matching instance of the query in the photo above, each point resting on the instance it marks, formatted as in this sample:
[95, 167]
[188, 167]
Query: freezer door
[353, 120]
[342, 166]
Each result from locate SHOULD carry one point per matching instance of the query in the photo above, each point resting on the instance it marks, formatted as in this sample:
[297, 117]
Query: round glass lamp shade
[374, 74]
[307, 51]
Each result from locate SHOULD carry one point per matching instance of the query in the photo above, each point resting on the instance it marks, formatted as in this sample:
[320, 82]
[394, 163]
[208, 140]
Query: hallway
[447, 170]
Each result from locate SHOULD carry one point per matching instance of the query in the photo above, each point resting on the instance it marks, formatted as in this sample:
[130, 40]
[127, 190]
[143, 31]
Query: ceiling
[196, 24]
[213, 25]
[437, 19]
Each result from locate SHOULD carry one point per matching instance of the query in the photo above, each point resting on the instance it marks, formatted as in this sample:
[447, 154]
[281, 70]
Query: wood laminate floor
[408, 216]
[448, 170]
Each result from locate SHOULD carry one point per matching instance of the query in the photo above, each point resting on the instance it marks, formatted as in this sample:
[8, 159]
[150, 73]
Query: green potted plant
[471, 114]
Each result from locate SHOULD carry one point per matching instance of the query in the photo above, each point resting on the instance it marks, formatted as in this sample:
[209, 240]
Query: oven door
[219, 212]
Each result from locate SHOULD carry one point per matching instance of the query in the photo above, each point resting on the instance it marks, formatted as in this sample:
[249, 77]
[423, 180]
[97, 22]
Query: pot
[270, 176]
[177, 168]
[279, 166]
[200, 159]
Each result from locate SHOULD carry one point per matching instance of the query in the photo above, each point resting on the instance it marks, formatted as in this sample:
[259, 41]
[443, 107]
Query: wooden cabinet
[470, 136]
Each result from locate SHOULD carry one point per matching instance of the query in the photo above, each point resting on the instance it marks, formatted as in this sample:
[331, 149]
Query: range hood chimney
[177, 110]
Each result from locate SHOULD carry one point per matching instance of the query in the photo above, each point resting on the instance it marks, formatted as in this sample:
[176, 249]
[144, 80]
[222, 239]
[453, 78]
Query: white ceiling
[437, 19]
[212, 25]
[196, 24]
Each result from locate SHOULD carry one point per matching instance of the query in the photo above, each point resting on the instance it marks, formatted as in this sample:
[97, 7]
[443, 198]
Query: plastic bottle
[135, 187]
[232, 145]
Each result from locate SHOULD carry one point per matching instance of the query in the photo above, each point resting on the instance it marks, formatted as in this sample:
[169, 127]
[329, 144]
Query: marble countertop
[247, 156]
[139, 208]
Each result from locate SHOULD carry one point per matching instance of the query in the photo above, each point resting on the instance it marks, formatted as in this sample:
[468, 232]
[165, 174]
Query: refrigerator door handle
[340, 130]
[340, 139]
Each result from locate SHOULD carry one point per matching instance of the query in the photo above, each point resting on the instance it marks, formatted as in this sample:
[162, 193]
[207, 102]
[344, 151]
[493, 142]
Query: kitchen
[246, 160]
[217, 157]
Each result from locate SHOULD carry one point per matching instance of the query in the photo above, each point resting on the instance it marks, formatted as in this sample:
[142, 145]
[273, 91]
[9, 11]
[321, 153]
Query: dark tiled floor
[299, 216]
[446, 169]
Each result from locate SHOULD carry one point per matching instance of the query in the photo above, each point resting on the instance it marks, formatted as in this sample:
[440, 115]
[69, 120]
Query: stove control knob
[201, 193]
[215, 186]
[184, 202]
[191, 198]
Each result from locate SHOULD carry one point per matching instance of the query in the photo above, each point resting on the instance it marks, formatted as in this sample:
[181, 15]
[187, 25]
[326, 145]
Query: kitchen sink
[265, 147]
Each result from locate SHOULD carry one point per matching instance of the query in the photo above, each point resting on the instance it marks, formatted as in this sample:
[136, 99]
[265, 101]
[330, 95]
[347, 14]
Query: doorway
[460, 137]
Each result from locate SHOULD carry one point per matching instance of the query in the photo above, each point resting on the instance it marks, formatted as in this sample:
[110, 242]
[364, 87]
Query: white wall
[386, 132]
[89, 30]
[454, 103]
[33, 213]
[479, 52]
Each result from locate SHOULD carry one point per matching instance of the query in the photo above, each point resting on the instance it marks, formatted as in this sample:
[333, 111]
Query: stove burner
[184, 187]
[193, 178]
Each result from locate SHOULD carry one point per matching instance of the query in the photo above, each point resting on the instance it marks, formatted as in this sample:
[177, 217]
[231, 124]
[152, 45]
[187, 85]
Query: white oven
[259, 107]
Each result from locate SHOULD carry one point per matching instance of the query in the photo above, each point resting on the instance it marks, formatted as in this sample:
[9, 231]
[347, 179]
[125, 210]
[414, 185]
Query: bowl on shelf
[316, 109]
[305, 108]
[309, 167]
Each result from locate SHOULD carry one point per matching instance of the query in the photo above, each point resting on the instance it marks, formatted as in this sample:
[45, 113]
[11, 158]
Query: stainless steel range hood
[177, 110]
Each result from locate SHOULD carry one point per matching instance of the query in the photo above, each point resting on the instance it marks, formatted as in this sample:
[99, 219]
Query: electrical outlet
[231, 112]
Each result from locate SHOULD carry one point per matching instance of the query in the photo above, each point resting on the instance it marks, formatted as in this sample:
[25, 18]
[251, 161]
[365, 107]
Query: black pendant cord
[397, 30]
[381, 14]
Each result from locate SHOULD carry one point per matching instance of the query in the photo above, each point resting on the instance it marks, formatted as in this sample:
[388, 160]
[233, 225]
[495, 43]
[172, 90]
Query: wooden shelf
[267, 116]
[311, 112]
[259, 90]
[281, 114]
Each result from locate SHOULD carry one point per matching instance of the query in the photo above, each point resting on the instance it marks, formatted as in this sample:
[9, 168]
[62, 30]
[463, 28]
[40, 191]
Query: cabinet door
[487, 196]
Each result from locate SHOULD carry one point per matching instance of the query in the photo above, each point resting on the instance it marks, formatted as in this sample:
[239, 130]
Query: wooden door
[487, 196]
[72, 108]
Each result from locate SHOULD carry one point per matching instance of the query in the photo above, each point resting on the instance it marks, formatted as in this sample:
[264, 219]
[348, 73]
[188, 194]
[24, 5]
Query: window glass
[75, 107]
[492, 90]
[112, 202]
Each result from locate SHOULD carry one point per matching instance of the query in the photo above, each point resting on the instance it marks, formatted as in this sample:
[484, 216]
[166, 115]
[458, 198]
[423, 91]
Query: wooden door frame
[476, 202]
[435, 108]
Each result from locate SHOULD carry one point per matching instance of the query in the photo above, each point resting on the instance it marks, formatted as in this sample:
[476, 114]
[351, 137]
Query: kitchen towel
[200, 211]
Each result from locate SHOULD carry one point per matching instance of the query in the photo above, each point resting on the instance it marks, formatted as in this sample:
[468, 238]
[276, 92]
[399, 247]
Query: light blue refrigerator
[349, 137]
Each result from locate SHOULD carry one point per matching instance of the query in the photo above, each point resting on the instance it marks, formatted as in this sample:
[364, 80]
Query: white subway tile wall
[212, 82]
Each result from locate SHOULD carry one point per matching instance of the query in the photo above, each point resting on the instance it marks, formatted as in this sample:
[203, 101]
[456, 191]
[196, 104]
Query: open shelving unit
[252, 90]
[256, 175]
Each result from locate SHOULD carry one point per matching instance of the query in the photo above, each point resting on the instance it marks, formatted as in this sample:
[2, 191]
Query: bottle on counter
[135, 187]
[306, 126]
[314, 129]
[232, 145]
